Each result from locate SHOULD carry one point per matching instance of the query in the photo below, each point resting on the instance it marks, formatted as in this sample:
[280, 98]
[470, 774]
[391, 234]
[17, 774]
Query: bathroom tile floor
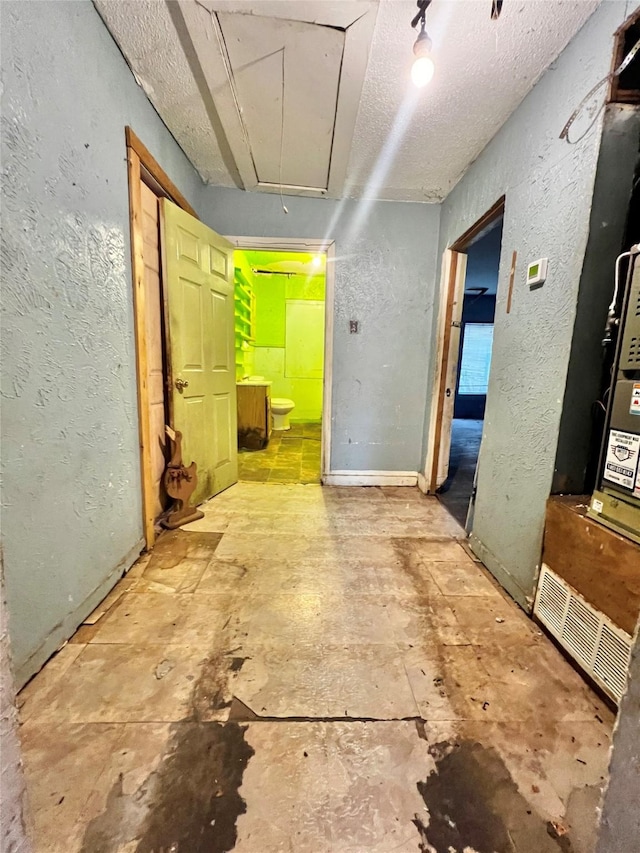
[292, 456]
[309, 669]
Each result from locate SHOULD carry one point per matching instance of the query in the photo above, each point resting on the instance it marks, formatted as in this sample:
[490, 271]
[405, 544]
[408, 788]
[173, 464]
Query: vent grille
[612, 661]
[633, 351]
[602, 649]
[552, 602]
[581, 630]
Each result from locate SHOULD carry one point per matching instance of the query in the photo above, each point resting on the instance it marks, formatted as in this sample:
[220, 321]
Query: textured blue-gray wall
[384, 277]
[548, 186]
[71, 493]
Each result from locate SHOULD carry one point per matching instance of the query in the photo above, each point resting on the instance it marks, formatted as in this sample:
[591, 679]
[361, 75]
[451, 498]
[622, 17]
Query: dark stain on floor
[407, 557]
[197, 799]
[191, 802]
[473, 803]
[210, 691]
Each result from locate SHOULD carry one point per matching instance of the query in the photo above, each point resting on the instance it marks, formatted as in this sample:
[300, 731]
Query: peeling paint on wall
[71, 494]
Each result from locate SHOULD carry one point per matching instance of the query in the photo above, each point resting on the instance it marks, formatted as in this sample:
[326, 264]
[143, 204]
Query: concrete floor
[455, 492]
[292, 456]
[312, 670]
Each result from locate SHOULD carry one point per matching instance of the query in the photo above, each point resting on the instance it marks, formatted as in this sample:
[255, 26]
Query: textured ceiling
[408, 144]
[484, 69]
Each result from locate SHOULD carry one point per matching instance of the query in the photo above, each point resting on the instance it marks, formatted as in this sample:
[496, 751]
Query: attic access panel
[284, 82]
[268, 58]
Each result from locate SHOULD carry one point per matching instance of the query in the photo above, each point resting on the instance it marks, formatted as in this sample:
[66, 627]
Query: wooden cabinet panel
[254, 416]
[601, 565]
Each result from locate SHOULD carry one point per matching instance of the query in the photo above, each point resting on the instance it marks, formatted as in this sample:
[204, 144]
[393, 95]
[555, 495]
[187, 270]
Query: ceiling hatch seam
[287, 20]
[227, 62]
[230, 74]
[217, 28]
[337, 106]
[335, 112]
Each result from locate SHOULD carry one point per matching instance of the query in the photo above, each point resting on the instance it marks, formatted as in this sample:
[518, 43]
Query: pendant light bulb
[423, 67]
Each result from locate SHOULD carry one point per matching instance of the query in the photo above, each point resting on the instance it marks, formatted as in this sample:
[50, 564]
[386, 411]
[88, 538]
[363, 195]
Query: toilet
[281, 408]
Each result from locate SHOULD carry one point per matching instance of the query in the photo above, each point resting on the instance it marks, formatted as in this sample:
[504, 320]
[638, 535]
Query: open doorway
[280, 313]
[468, 287]
[473, 365]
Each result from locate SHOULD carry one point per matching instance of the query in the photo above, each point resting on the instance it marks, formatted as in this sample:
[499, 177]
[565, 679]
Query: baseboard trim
[371, 478]
[67, 627]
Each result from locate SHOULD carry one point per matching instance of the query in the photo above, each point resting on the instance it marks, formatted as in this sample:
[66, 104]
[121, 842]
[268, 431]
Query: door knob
[181, 384]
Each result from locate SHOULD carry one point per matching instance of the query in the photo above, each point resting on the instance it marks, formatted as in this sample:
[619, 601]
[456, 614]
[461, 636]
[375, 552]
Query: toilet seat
[281, 408]
[281, 403]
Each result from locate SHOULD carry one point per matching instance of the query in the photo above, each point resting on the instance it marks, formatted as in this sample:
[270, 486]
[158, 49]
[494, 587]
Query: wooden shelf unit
[244, 313]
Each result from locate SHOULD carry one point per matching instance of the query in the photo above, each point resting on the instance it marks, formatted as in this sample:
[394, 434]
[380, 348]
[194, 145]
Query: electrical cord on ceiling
[423, 5]
[284, 208]
[564, 134]
[421, 17]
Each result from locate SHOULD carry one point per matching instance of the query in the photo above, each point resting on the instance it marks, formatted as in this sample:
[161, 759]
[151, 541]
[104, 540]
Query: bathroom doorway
[283, 298]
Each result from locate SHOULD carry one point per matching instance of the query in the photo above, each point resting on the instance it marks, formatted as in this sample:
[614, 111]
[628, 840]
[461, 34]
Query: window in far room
[476, 358]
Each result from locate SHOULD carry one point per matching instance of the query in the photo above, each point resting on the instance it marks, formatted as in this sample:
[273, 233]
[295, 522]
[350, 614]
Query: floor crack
[239, 712]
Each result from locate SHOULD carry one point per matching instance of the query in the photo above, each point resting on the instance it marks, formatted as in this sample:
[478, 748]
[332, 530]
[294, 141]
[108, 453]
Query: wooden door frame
[143, 168]
[280, 244]
[452, 282]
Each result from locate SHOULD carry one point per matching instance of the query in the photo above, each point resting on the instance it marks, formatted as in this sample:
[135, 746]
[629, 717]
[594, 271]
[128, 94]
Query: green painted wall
[270, 291]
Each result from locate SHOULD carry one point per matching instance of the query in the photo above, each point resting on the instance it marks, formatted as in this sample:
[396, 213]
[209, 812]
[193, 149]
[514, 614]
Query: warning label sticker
[634, 406]
[621, 464]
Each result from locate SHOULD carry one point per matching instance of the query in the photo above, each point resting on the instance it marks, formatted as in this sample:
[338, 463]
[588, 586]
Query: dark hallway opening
[474, 361]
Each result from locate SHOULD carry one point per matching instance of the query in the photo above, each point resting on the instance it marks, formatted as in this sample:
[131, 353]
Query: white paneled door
[198, 276]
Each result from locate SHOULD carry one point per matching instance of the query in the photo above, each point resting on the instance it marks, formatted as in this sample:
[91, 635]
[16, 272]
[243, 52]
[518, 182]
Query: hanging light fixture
[423, 67]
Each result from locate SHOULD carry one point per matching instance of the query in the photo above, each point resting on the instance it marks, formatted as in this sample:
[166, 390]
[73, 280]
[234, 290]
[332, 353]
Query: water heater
[616, 502]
